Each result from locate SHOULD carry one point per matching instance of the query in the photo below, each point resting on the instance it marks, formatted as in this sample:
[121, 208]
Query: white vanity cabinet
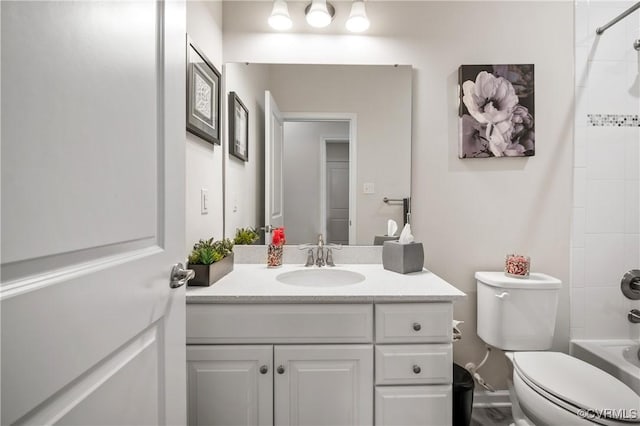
[291, 384]
[413, 359]
[323, 385]
[230, 385]
[316, 370]
[313, 364]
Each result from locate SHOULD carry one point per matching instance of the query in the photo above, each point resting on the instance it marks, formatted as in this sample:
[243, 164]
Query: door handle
[266, 228]
[179, 276]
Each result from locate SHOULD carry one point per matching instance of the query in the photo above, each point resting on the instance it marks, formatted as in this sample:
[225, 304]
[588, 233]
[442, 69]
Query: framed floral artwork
[496, 115]
[203, 95]
[238, 128]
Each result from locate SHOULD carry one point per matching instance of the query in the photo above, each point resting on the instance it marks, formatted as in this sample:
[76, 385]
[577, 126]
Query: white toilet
[551, 388]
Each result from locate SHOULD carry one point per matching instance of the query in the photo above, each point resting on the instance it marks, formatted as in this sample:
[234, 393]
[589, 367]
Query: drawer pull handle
[417, 326]
[264, 369]
[417, 369]
[280, 369]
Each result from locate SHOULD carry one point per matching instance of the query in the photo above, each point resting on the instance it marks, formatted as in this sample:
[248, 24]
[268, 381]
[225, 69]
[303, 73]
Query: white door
[323, 385]
[230, 385]
[93, 121]
[273, 160]
[338, 202]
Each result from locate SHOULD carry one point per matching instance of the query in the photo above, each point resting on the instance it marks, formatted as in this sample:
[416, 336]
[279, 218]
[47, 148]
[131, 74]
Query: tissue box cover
[402, 258]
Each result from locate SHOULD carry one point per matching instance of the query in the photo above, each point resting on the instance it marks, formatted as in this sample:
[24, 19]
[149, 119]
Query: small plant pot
[209, 274]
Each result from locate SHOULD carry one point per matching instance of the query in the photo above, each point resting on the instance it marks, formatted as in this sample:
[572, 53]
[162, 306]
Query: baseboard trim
[498, 398]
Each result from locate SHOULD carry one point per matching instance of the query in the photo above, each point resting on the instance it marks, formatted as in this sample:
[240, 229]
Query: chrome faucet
[324, 256]
[320, 253]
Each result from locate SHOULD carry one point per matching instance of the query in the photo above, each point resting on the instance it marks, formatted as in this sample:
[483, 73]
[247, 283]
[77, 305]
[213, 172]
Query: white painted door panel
[338, 202]
[230, 385]
[92, 212]
[273, 157]
[323, 385]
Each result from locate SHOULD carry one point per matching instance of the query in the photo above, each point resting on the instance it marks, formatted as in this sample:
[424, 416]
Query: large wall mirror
[338, 142]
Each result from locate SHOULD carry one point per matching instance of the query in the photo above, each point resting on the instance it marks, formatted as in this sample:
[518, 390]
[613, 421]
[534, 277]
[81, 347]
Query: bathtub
[617, 357]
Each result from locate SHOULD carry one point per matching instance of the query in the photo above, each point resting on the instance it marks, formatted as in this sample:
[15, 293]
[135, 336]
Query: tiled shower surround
[606, 199]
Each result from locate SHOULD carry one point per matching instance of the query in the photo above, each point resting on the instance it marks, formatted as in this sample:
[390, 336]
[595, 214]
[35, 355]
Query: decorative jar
[517, 266]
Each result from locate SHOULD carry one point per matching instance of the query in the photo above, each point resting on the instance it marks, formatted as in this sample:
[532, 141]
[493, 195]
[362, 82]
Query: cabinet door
[323, 385]
[413, 405]
[230, 385]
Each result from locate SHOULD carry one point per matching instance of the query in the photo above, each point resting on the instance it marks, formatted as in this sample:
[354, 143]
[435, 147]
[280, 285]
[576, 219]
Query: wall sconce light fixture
[319, 14]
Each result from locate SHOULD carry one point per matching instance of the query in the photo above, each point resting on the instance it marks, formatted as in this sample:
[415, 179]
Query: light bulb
[318, 14]
[279, 18]
[358, 20]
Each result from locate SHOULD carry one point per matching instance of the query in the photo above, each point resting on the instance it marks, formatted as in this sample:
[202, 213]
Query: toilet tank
[517, 314]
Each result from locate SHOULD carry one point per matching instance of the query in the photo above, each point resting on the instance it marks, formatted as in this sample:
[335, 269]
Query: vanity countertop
[255, 283]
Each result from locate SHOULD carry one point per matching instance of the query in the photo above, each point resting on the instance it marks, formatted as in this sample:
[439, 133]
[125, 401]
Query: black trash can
[462, 396]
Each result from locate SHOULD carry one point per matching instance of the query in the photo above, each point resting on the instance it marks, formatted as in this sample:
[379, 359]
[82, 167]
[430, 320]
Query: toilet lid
[578, 383]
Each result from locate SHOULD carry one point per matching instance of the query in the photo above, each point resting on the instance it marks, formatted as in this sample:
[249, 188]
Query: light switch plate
[204, 201]
[369, 188]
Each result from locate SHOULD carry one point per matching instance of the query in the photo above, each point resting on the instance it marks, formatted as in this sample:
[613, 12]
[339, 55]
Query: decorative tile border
[613, 120]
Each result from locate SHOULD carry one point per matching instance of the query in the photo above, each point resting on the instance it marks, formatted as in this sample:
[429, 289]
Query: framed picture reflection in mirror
[238, 128]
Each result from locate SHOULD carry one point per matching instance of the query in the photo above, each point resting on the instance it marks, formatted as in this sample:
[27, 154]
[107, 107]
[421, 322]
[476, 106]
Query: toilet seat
[575, 385]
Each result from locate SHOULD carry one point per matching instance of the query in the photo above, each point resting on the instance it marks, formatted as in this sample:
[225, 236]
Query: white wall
[301, 173]
[606, 200]
[468, 213]
[204, 160]
[244, 181]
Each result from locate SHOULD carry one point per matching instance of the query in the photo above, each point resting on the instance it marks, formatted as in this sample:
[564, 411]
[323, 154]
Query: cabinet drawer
[414, 323]
[413, 405]
[279, 323]
[414, 364]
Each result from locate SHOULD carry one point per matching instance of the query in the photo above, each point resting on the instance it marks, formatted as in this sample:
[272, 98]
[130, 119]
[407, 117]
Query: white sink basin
[320, 277]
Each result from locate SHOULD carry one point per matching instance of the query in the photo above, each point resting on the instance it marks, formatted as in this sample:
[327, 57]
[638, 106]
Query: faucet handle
[329, 260]
[309, 258]
[334, 246]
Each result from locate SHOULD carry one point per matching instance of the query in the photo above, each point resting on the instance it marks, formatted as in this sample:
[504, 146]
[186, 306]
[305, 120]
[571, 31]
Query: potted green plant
[246, 236]
[211, 260]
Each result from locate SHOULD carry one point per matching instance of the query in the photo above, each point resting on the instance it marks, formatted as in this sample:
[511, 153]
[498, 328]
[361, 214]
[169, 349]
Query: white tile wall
[606, 313]
[579, 187]
[578, 267]
[631, 155]
[605, 152]
[606, 215]
[632, 207]
[604, 259]
[604, 212]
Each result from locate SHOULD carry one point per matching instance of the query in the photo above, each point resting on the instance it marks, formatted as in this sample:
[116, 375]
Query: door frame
[352, 119]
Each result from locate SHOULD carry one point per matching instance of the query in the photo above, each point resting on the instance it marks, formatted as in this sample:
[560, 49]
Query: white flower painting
[496, 111]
